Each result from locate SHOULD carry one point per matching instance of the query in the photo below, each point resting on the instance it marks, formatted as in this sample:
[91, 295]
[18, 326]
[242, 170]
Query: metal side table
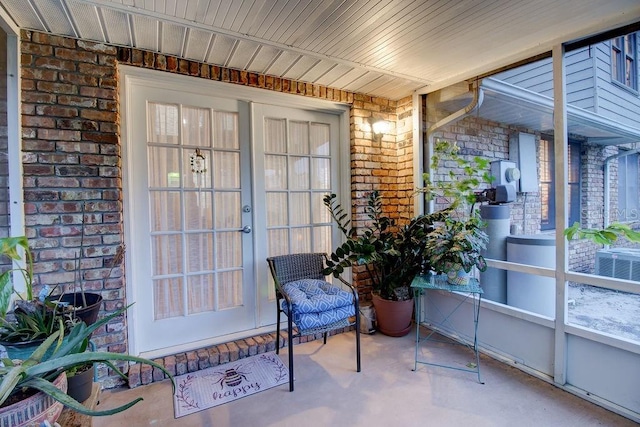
[422, 283]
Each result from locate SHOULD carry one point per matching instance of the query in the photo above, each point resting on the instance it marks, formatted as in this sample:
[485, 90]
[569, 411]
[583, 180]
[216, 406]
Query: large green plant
[391, 255]
[394, 254]
[44, 365]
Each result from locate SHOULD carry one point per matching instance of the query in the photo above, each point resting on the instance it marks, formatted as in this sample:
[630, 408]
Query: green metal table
[422, 283]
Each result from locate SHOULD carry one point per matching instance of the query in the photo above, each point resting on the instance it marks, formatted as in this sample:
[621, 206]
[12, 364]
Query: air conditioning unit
[621, 263]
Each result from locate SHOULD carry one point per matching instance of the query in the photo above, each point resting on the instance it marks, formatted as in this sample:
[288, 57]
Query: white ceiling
[386, 48]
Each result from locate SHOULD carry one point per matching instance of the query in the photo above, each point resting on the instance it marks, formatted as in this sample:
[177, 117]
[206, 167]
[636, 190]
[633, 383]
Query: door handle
[246, 229]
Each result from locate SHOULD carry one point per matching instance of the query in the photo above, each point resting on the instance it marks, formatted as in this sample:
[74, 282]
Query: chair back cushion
[317, 303]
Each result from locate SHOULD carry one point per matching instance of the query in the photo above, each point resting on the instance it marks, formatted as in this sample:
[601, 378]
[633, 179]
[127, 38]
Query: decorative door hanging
[199, 170]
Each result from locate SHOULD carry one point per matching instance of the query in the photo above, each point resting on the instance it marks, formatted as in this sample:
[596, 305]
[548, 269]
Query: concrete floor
[328, 392]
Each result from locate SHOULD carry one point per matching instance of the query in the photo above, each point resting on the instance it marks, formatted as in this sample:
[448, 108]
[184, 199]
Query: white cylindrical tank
[494, 280]
[527, 291]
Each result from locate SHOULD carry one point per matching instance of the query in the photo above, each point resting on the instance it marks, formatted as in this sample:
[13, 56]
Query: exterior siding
[614, 100]
[589, 86]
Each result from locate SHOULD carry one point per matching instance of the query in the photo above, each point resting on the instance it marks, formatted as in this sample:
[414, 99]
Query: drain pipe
[476, 102]
[607, 181]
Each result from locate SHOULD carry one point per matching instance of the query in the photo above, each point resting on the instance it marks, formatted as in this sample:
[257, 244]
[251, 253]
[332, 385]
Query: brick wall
[71, 157]
[71, 161]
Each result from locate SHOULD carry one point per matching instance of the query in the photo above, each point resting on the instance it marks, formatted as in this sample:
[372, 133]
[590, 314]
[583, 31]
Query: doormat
[221, 384]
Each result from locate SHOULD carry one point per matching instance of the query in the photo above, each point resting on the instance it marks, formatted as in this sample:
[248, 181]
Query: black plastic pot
[89, 313]
[79, 385]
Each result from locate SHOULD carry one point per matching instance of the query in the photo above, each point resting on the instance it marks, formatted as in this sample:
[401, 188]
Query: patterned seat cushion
[317, 303]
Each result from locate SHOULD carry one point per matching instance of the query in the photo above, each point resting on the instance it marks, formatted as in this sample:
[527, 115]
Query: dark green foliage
[392, 258]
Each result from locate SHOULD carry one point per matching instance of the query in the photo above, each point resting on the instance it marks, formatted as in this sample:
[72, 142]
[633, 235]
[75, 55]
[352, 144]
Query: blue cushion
[317, 303]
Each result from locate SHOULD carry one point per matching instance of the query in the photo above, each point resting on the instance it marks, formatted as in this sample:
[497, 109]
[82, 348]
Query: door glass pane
[166, 167]
[225, 134]
[275, 172]
[298, 173]
[277, 209]
[275, 140]
[226, 169]
[227, 213]
[228, 250]
[322, 239]
[320, 139]
[163, 123]
[301, 215]
[197, 209]
[199, 252]
[300, 240]
[299, 136]
[168, 298]
[166, 205]
[201, 293]
[321, 174]
[196, 127]
[229, 289]
[278, 241]
[319, 211]
[167, 254]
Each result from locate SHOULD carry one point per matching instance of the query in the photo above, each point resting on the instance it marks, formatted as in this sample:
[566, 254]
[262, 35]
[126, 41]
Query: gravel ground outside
[605, 310]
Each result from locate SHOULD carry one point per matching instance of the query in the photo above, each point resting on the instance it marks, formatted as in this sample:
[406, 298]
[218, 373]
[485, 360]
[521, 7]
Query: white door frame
[152, 78]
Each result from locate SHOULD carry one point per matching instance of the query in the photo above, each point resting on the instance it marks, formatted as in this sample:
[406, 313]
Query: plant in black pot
[79, 303]
[32, 320]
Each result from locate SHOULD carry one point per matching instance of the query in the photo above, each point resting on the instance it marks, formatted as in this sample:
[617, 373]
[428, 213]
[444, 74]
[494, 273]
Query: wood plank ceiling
[386, 48]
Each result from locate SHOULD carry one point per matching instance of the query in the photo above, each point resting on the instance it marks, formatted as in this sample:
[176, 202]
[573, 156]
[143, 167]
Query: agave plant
[55, 356]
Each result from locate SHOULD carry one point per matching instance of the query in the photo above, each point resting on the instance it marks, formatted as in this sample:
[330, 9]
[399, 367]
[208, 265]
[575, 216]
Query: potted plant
[83, 305]
[391, 255]
[32, 320]
[455, 248]
[43, 373]
[394, 254]
[455, 244]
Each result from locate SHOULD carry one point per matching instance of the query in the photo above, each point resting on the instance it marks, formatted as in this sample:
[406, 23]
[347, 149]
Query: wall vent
[621, 263]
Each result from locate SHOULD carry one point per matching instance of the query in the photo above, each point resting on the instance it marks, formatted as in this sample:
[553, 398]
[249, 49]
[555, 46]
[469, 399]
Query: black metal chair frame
[289, 268]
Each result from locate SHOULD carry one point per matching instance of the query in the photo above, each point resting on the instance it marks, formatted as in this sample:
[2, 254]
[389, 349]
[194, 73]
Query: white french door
[296, 156]
[214, 185]
[191, 218]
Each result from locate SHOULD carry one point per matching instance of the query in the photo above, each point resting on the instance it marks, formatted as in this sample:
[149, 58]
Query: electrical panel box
[522, 150]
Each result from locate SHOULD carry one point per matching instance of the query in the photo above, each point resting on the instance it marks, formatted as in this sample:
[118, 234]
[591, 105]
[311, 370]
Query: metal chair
[312, 304]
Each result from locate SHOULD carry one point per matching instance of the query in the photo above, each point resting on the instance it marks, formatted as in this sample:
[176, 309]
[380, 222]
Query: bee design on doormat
[231, 377]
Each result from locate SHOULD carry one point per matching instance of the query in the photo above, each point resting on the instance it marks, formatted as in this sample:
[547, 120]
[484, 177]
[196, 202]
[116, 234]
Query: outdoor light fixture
[378, 128]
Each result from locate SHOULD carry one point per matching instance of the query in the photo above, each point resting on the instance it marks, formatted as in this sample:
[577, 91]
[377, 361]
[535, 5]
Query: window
[628, 187]
[623, 61]
[547, 183]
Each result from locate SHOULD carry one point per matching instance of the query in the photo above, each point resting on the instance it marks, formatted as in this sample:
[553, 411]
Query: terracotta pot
[33, 410]
[393, 317]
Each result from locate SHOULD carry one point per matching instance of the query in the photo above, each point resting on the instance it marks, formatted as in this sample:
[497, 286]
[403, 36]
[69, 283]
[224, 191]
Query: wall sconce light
[378, 129]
